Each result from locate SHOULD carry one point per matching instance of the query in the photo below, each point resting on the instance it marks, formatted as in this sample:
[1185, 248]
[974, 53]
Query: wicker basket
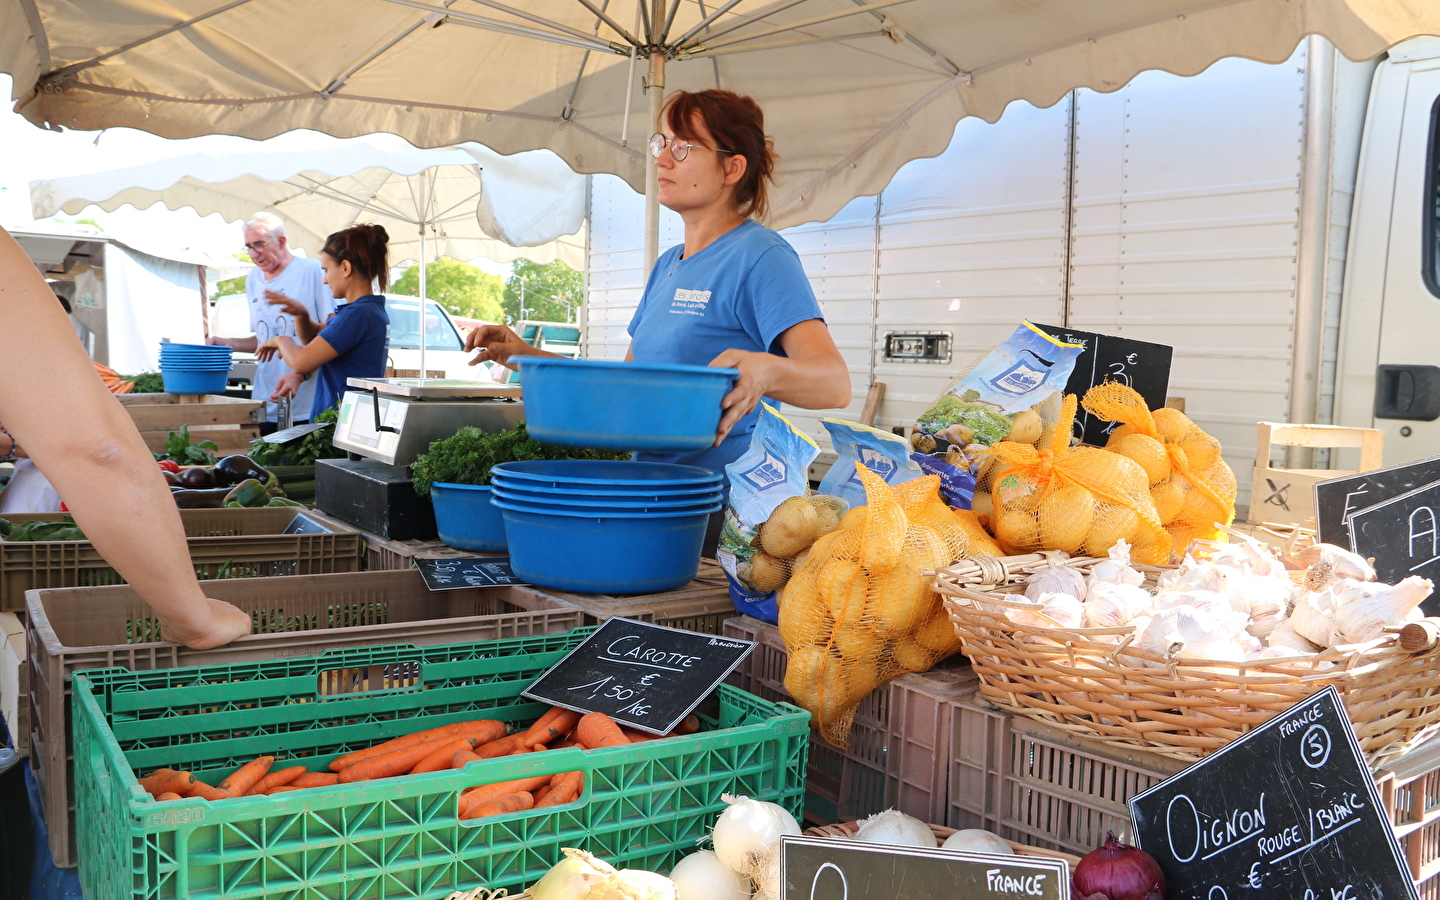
[848, 829]
[1083, 682]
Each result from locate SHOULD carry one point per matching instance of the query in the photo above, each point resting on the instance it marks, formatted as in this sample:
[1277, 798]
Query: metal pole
[422, 301]
[655, 93]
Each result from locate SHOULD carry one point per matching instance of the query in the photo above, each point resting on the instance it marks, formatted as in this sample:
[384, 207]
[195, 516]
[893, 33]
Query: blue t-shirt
[741, 292]
[360, 333]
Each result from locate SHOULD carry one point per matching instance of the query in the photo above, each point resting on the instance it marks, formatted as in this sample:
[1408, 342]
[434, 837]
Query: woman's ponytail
[367, 249]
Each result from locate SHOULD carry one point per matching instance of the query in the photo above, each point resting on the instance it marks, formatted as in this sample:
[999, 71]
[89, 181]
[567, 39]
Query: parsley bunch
[467, 457]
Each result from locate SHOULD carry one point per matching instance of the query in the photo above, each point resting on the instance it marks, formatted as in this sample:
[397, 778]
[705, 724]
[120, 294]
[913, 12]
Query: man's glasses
[678, 148]
[256, 247]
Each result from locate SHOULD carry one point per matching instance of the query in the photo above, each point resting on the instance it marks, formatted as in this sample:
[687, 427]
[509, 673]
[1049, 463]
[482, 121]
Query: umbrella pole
[423, 311]
[655, 93]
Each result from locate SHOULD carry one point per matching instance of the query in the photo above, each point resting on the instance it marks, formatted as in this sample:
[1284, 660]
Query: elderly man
[279, 278]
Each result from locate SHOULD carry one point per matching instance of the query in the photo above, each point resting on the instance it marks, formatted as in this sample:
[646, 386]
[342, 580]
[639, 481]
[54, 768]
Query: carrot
[461, 757]
[242, 778]
[458, 729]
[485, 792]
[563, 789]
[503, 747]
[554, 728]
[396, 762]
[167, 795]
[598, 730]
[535, 730]
[440, 758]
[276, 779]
[205, 791]
[500, 805]
[540, 793]
[689, 725]
[283, 788]
[314, 779]
[167, 781]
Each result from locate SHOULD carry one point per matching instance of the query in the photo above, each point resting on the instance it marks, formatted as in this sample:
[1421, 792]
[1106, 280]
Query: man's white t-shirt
[302, 280]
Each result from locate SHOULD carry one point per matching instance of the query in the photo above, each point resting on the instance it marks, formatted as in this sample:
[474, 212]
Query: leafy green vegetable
[179, 449]
[466, 458]
[147, 383]
[65, 530]
[302, 451]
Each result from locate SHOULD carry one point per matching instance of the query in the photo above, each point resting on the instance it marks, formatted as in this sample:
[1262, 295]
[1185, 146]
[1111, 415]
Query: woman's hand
[226, 623]
[266, 351]
[758, 377]
[286, 304]
[287, 386]
[497, 343]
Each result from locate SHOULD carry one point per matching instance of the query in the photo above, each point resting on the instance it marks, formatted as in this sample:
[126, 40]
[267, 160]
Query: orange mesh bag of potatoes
[861, 609]
[1193, 488]
[1077, 499]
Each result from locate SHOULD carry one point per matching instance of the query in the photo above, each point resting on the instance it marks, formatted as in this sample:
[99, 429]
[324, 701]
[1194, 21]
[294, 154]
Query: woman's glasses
[678, 148]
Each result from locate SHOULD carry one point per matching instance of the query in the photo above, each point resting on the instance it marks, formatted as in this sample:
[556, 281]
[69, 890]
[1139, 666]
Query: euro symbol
[645, 682]
[1254, 875]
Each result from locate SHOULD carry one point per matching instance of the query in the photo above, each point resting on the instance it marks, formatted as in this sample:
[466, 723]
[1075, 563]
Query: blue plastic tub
[614, 553]
[203, 348]
[540, 491]
[187, 381]
[623, 405]
[600, 474]
[465, 518]
[604, 503]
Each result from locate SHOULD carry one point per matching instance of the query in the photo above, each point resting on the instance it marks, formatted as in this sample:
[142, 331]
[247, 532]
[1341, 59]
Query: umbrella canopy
[469, 202]
[852, 89]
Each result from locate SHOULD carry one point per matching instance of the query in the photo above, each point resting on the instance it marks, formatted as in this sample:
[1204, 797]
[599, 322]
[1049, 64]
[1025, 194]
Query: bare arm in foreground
[83, 440]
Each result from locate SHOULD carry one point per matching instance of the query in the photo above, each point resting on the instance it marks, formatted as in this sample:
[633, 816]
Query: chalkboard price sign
[1288, 811]
[467, 572]
[1139, 364]
[1337, 498]
[828, 869]
[1403, 537]
[643, 675]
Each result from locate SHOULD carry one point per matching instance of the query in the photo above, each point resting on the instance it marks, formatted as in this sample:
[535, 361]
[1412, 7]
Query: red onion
[1116, 871]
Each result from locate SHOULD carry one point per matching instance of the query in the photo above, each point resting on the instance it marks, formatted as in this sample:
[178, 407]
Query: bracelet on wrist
[13, 453]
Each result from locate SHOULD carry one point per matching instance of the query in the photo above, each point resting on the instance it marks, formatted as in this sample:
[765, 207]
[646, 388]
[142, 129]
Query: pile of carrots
[113, 381]
[432, 750]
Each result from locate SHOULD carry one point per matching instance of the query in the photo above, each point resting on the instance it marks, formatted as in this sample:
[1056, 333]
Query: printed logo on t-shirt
[689, 303]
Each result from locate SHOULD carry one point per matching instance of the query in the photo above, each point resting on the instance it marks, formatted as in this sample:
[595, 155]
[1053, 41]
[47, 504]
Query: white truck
[1278, 225]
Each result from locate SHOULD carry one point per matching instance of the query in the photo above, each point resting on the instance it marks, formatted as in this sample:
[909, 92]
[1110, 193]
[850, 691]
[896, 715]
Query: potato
[900, 599]
[938, 634]
[982, 504]
[1172, 424]
[912, 657]
[790, 528]
[884, 535]
[857, 643]
[1112, 523]
[803, 674]
[1065, 517]
[1026, 428]
[1201, 450]
[800, 609]
[843, 588]
[768, 573]
[1148, 452]
[1015, 491]
[1017, 529]
[1199, 509]
[1120, 433]
[921, 442]
[1169, 498]
[927, 548]
[827, 518]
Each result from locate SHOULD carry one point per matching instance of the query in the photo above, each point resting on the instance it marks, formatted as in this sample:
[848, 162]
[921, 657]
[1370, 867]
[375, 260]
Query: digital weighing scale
[387, 422]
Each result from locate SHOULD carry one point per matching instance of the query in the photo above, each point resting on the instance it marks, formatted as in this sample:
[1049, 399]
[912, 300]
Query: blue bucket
[189, 381]
[604, 503]
[594, 475]
[539, 491]
[623, 405]
[605, 553]
[465, 518]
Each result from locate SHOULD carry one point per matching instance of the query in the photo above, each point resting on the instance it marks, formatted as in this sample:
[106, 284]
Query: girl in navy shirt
[353, 343]
[734, 295]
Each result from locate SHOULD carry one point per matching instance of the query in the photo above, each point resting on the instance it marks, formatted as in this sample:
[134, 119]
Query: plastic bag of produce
[1077, 499]
[773, 471]
[861, 608]
[885, 454]
[957, 482]
[1193, 488]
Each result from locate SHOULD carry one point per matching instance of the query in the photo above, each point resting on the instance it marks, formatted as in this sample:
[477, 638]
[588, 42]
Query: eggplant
[235, 469]
[171, 478]
[196, 477]
[200, 499]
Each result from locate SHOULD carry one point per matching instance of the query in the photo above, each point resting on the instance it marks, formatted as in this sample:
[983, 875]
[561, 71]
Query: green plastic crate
[644, 805]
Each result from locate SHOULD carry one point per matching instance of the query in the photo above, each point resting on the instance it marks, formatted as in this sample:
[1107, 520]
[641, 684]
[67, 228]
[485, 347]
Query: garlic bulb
[894, 827]
[1055, 580]
[1191, 633]
[1190, 575]
[1285, 636]
[1117, 568]
[1110, 605]
[1364, 608]
[1054, 611]
[977, 840]
[1327, 563]
[1313, 618]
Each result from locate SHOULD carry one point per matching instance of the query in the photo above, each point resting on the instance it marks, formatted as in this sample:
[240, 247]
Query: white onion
[894, 827]
[977, 840]
[702, 876]
[633, 884]
[767, 875]
[746, 830]
[572, 877]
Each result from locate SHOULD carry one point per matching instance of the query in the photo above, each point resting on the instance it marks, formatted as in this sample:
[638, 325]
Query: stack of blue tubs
[605, 527]
[194, 368]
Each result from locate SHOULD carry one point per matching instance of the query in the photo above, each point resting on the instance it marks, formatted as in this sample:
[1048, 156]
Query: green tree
[542, 285]
[228, 286]
[460, 287]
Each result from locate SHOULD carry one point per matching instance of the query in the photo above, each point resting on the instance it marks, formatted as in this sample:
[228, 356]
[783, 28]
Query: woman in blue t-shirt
[353, 343]
[734, 295]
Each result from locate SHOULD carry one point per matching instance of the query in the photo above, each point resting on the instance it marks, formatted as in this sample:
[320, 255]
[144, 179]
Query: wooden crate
[232, 423]
[1285, 496]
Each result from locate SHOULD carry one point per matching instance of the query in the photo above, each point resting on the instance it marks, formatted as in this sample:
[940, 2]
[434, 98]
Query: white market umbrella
[432, 202]
[852, 89]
